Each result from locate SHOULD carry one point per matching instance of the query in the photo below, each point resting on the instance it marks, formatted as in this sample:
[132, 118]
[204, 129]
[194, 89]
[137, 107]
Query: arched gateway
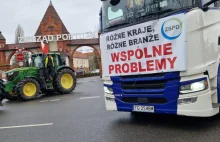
[93, 43]
[55, 36]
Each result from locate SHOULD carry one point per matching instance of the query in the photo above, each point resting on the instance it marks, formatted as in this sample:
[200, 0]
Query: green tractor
[29, 82]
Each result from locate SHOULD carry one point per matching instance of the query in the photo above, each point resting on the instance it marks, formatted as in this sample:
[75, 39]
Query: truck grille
[144, 100]
[143, 85]
[143, 75]
[159, 88]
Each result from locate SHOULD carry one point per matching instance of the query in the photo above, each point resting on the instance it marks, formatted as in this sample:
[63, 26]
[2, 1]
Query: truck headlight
[187, 101]
[194, 87]
[108, 90]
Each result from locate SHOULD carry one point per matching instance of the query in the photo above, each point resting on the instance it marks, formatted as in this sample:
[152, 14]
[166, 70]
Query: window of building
[51, 29]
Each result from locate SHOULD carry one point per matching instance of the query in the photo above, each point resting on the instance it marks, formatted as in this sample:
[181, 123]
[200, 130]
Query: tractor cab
[38, 60]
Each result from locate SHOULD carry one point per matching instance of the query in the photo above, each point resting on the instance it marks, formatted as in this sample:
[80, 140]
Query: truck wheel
[11, 96]
[65, 81]
[28, 89]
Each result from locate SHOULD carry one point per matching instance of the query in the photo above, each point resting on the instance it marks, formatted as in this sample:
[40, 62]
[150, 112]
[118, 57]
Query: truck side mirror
[114, 2]
[206, 5]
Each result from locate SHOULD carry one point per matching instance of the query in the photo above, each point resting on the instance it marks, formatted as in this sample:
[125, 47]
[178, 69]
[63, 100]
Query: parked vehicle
[80, 72]
[96, 71]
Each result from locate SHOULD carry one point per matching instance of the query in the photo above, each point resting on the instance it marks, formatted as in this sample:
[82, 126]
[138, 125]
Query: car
[96, 71]
[80, 72]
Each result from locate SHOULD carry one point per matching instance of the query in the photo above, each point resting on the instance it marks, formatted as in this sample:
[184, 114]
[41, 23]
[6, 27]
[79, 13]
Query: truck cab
[161, 56]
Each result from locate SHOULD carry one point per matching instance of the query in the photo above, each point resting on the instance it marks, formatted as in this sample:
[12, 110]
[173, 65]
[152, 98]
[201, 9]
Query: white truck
[161, 56]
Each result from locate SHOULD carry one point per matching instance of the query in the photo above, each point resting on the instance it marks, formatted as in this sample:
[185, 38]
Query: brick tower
[52, 24]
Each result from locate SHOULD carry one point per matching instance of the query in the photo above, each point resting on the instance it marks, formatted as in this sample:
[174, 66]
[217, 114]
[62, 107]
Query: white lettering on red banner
[151, 47]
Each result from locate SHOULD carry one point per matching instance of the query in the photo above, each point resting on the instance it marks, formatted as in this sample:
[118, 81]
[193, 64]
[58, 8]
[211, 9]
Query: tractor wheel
[65, 81]
[11, 96]
[28, 89]
[2, 93]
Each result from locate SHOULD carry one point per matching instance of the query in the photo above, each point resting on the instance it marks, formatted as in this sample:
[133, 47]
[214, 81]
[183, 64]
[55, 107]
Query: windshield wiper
[170, 11]
[156, 13]
[117, 25]
[147, 15]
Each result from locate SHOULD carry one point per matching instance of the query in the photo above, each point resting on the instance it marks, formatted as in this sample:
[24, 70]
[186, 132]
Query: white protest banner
[151, 47]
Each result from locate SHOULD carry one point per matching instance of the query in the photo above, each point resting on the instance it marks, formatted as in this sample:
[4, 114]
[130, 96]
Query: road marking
[94, 97]
[87, 81]
[55, 100]
[25, 126]
[44, 101]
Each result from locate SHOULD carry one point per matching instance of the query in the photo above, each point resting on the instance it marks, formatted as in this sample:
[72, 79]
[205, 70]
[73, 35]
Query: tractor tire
[2, 93]
[11, 96]
[28, 89]
[65, 81]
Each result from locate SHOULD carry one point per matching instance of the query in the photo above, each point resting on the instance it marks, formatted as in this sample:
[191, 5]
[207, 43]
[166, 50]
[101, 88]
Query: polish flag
[44, 48]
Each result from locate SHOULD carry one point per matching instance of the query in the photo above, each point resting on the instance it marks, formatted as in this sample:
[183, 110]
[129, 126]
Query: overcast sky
[78, 16]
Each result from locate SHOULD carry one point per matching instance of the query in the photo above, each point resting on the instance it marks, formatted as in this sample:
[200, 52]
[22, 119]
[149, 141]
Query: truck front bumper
[202, 107]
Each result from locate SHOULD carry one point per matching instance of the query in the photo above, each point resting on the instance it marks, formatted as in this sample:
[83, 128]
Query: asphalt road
[81, 117]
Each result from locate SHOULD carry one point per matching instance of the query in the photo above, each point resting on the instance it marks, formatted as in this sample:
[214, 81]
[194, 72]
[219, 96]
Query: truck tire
[65, 81]
[28, 89]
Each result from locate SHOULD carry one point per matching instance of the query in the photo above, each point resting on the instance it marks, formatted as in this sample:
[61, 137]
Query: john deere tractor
[28, 82]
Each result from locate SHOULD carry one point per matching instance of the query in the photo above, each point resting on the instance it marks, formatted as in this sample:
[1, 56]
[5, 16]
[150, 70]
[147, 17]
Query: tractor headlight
[108, 90]
[194, 87]
[10, 73]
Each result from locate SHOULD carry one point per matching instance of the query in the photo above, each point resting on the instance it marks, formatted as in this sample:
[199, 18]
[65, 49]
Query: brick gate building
[51, 24]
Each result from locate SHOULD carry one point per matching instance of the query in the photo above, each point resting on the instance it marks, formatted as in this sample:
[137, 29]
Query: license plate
[143, 108]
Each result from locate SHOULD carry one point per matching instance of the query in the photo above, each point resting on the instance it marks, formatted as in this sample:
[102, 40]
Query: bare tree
[91, 34]
[18, 33]
[217, 4]
[95, 61]
[94, 32]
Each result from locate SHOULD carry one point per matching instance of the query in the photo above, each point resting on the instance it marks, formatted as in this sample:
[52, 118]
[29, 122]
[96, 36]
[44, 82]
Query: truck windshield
[120, 12]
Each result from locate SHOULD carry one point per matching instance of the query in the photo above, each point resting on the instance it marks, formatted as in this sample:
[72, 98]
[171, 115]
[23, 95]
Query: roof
[80, 55]
[90, 54]
[8, 47]
[83, 42]
[55, 20]
[1, 36]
